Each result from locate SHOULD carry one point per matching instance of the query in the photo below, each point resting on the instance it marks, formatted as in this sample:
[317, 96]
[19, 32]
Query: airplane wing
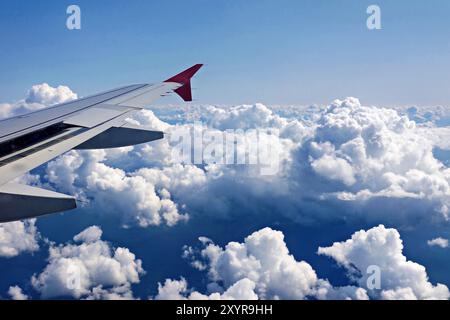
[94, 122]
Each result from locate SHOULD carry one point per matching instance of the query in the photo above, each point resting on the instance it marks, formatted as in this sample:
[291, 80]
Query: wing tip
[184, 78]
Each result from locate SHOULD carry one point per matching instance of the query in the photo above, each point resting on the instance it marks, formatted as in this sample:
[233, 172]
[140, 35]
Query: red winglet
[184, 78]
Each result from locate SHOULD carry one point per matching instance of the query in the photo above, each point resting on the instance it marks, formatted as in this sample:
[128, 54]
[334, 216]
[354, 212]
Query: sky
[274, 52]
[357, 185]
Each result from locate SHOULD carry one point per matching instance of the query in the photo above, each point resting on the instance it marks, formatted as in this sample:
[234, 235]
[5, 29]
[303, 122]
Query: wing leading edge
[95, 122]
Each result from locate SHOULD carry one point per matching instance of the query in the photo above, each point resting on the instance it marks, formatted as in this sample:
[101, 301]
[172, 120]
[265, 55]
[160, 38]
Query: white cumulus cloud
[259, 268]
[370, 161]
[90, 268]
[178, 290]
[439, 242]
[18, 237]
[383, 248]
[262, 268]
[47, 95]
[38, 97]
[15, 292]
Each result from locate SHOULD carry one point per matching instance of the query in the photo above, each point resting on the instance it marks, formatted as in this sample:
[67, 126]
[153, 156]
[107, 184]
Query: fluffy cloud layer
[360, 154]
[261, 267]
[89, 268]
[137, 199]
[178, 290]
[38, 97]
[383, 248]
[373, 162]
[18, 237]
[264, 260]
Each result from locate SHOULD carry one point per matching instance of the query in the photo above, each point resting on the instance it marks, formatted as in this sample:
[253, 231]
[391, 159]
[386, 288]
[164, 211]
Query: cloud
[334, 168]
[122, 292]
[6, 110]
[262, 267]
[16, 293]
[264, 259]
[89, 235]
[360, 154]
[178, 290]
[38, 97]
[259, 268]
[439, 136]
[427, 115]
[47, 95]
[18, 237]
[368, 161]
[90, 268]
[135, 199]
[383, 248]
[439, 242]
[345, 161]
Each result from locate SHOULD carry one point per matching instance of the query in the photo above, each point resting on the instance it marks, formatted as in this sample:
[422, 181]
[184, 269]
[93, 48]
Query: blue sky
[275, 52]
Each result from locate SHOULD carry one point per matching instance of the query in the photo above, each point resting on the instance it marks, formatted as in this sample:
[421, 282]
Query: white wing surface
[94, 122]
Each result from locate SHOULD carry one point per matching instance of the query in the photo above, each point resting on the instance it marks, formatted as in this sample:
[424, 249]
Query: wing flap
[19, 202]
[124, 136]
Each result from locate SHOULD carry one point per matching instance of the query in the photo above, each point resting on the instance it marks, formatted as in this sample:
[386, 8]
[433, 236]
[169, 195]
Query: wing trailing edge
[19, 202]
[124, 136]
